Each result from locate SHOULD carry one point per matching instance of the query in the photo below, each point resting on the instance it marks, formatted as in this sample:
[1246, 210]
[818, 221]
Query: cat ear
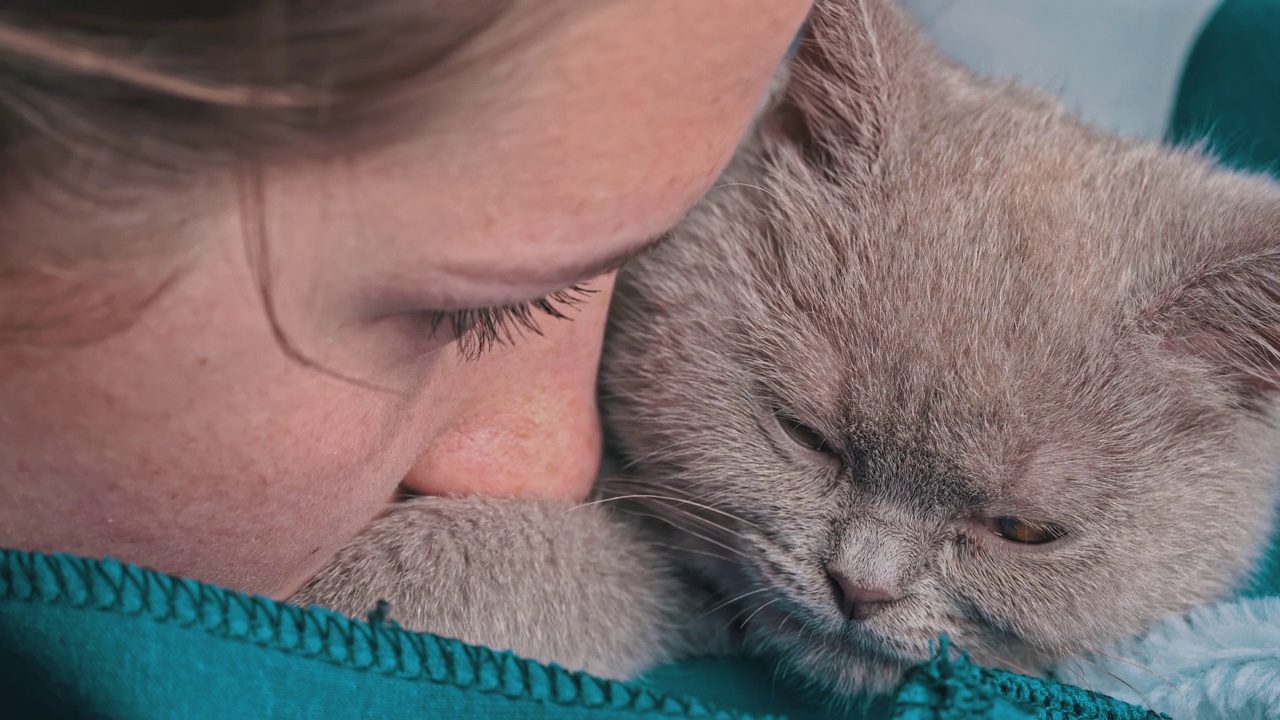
[842, 88]
[1228, 313]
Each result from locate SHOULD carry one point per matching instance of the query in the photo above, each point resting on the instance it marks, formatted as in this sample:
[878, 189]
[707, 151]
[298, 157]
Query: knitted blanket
[1218, 662]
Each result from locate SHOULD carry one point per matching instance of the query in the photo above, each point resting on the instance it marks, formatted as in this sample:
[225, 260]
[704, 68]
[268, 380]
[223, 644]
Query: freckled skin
[188, 441]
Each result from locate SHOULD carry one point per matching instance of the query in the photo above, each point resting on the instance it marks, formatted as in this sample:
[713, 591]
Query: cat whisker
[1078, 671]
[1168, 682]
[739, 614]
[777, 673]
[672, 498]
[1142, 696]
[757, 610]
[692, 551]
[704, 521]
[711, 524]
[703, 553]
[1018, 668]
[723, 186]
[733, 600]
[786, 618]
[728, 624]
[805, 627]
[680, 489]
[672, 522]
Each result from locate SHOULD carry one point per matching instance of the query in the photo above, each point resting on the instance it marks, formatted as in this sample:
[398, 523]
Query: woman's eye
[1015, 530]
[803, 435]
[479, 329]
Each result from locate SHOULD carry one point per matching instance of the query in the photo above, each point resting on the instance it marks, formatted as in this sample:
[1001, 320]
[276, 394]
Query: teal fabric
[946, 688]
[1230, 92]
[98, 639]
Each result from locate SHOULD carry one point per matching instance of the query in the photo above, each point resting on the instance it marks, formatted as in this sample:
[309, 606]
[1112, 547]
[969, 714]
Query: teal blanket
[98, 639]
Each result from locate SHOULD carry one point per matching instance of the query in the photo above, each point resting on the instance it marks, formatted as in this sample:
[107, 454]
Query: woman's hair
[197, 81]
[141, 92]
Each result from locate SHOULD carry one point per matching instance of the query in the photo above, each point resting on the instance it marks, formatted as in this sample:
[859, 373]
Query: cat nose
[858, 602]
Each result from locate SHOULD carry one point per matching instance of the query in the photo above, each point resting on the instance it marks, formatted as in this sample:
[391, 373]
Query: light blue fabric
[1220, 662]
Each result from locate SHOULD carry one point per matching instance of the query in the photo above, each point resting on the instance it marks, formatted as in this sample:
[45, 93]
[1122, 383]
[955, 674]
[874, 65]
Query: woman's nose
[523, 421]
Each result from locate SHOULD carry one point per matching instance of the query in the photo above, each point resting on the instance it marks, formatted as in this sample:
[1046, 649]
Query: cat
[933, 358]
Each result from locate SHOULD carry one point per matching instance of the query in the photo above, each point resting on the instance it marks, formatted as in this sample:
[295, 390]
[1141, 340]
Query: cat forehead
[968, 372]
[966, 255]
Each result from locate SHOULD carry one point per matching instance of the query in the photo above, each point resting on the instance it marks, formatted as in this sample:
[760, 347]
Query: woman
[231, 260]
[270, 265]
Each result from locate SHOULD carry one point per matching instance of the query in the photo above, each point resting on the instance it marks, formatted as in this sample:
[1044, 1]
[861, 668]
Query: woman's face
[192, 441]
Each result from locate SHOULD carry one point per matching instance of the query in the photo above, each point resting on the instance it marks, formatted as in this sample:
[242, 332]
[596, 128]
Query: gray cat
[934, 358]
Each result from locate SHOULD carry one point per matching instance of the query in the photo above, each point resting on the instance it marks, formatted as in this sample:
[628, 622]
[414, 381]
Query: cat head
[935, 358]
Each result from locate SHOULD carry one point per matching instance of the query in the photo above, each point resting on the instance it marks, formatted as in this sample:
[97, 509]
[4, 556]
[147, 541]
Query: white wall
[1116, 62]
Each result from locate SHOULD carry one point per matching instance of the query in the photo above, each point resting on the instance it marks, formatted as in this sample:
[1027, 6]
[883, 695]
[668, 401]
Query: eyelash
[479, 330]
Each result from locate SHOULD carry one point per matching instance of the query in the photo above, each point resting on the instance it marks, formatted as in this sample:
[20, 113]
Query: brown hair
[151, 90]
[213, 80]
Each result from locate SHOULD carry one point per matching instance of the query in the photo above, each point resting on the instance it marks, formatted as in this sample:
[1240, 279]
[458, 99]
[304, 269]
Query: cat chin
[847, 672]
[846, 666]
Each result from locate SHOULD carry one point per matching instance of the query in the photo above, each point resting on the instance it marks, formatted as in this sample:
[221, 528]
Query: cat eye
[803, 435]
[1017, 531]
